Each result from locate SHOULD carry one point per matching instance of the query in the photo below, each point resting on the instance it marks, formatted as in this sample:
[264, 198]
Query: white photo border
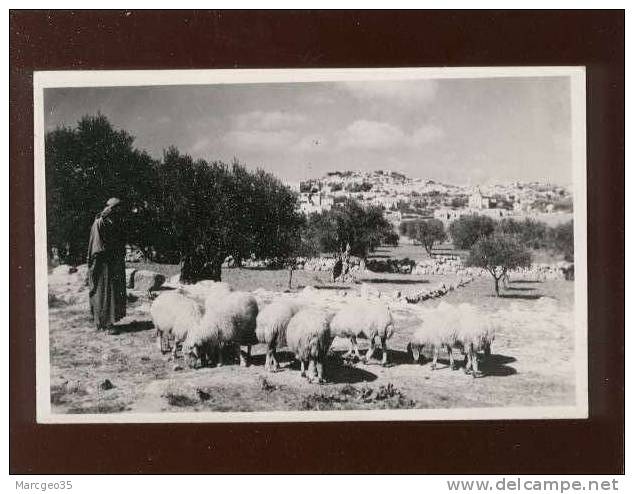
[112, 78]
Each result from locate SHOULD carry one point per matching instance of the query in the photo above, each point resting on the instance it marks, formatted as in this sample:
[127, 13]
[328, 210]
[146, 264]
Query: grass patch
[54, 301]
[351, 397]
[179, 400]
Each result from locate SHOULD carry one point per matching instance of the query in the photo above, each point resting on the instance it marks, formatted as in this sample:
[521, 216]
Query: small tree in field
[428, 232]
[498, 254]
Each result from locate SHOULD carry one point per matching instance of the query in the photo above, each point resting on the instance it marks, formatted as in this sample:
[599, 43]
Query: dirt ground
[532, 362]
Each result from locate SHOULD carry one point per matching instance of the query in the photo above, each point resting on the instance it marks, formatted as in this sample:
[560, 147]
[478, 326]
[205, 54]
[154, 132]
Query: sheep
[463, 327]
[308, 336]
[272, 322]
[228, 321]
[438, 330]
[364, 320]
[174, 315]
[207, 290]
[476, 333]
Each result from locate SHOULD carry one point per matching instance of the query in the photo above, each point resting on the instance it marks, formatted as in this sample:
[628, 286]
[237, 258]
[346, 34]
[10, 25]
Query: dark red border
[46, 40]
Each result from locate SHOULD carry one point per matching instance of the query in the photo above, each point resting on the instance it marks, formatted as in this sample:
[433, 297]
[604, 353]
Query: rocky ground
[532, 362]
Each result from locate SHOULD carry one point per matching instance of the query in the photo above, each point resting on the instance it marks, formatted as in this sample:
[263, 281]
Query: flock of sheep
[207, 325]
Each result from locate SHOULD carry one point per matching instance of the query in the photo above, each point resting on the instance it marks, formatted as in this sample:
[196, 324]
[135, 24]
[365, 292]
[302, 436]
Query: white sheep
[272, 322]
[476, 334]
[463, 327]
[207, 290]
[364, 319]
[438, 330]
[308, 336]
[229, 321]
[174, 315]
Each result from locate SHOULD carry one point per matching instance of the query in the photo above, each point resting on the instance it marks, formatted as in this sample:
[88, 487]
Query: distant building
[479, 201]
[447, 215]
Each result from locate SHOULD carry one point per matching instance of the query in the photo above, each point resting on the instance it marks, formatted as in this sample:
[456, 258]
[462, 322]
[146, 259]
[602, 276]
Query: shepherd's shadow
[134, 326]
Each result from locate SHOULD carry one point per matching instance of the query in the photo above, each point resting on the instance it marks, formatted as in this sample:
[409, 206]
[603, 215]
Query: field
[532, 362]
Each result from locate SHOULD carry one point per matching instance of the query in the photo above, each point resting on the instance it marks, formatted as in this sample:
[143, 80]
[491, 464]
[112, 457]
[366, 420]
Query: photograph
[311, 245]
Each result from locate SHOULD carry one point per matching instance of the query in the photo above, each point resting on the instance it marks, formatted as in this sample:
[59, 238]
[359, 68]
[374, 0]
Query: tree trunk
[290, 278]
[213, 270]
[194, 268]
[497, 286]
[362, 264]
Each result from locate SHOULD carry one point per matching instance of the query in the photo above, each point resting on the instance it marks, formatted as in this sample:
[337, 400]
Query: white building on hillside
[479, 201]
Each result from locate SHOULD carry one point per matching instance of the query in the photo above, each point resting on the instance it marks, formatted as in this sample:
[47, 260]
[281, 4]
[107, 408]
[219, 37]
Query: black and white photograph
[311, 245]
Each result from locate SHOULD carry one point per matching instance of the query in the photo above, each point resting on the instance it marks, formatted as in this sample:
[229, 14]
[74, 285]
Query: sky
[460, 131]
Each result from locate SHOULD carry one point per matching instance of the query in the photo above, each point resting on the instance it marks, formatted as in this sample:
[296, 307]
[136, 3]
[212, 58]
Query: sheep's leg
[220, 356]
[452, 364]
[312, 370]
[267, 360]
[355, 346]
[275, 364]
[474, 363]
[384, 350]
[468, 360]
[193, 353]
[159, 340]
[434, 358]
[415, 349]
[244, 356]
[320, 371]
[370, 351]
[302, 368]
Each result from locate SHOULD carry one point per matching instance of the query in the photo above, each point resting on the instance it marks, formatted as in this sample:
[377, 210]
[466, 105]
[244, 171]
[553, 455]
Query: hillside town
[404, 198]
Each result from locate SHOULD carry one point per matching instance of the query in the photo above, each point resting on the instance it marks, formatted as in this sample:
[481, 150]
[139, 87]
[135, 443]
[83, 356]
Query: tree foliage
[350, 223]
[425, 232]
[498, 254]
[208, 211]
[530, 233]
[85, 166]
[179, 208]
[468, 229]
[563, 239]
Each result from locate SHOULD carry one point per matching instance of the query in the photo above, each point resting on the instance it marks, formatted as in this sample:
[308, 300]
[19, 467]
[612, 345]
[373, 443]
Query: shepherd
[106, 268]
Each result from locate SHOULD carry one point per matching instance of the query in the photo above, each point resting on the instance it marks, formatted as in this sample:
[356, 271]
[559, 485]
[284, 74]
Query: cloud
[368, 134]
[273, 120]
[403, 93]
[260, 139]
[310, 143]
[426, 134]
[371, 135]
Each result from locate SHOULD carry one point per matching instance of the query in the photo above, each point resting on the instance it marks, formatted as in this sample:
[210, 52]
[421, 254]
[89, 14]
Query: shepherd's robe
[106, 273]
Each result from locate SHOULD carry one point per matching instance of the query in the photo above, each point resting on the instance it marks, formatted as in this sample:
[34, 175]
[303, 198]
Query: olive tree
[498, 254]
[427, 233]
[466, 230]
